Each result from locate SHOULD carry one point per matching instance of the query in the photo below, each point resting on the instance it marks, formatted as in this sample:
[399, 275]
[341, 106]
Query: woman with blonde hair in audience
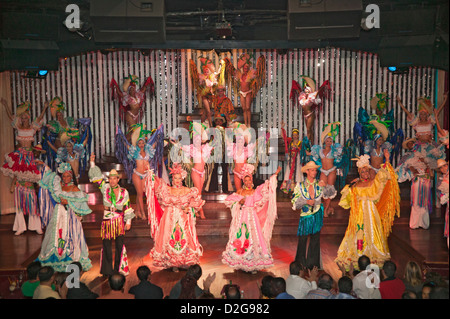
[413, 279]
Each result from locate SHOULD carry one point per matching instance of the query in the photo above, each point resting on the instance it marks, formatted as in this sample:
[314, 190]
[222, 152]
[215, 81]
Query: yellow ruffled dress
[372, 212]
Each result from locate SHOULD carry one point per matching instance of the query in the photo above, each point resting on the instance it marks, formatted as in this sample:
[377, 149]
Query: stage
[427, 247]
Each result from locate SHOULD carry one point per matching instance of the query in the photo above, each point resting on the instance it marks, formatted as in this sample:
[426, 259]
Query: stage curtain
[6, 145]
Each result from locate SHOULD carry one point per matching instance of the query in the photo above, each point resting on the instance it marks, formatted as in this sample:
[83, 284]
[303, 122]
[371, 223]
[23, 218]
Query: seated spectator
[279, 289]
[117, 284]
[60, 284]
[232, 292]
[82, 291]
[188, 285]
[408, 294]
[324, 286]
[360, 287]
[298, 286]
[426, 290]
[391, 287]
[266, 291]
[196, 272]
[145, 289]
[413, 278]
[439, 292]
[345, 285]
[46, 278]
[29, 286]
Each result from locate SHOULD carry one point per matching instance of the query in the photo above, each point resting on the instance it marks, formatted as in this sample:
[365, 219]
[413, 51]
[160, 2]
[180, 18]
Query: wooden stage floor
[405, 244]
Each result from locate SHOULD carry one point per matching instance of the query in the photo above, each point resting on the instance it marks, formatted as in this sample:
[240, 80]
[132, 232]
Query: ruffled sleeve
[78, 202]
[37, 124]
[52, 182]
[346, 197]
[96, 176]
[337, 150]
[195, 200]
[315, 154]
[375, 191]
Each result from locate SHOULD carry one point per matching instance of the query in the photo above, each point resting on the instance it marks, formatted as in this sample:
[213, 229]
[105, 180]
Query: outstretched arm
[8, 111]
[409, 114]
[40, 117]
[442, 105]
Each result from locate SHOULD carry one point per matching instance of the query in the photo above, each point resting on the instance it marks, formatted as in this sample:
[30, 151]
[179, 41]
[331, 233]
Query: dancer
[375, 147]
[71, 152]
[131, 100]
[253, 214]
[223, 105]
[241, 151]
[442, 134]
[117, 216]
[308, 198]
[61, 128]
[176, 243]
[205, 83]
[442, 166]
[200, 152]
[373, 204]
[310, 100]
[64, 240]
[20, 165]
[292, 147]
[246, 80]
[328, 157]
[219, 158]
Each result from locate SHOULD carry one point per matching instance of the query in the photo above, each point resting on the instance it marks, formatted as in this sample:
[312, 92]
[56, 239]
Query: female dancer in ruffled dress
[176, 243]
[373, 204]
[253, 214]
[21, 167]
[328, 157]
[64, 240]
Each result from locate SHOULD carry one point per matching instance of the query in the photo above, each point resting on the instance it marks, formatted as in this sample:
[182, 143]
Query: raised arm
[438, 111]
[8, 111]
[40, 117]
[409, 114]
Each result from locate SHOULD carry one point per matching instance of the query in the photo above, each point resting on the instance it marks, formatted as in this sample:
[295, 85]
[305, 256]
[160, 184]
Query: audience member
[439, 292]
[145, 289]
[298, 286]
[60, 284]
[391, 287]
[117, 284]
[188, 285]
[80, 291]
[279, 289]
[408, 294]
[324, 286]
[46, 278]
[266, 291]
[196, 272]
[29, 286]
[426, 290]
[345, 285]
[413, 278]
[361, 288]
[232, 292]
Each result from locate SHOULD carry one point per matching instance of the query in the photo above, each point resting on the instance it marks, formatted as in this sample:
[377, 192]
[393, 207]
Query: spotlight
[42, 72]
[392, 68]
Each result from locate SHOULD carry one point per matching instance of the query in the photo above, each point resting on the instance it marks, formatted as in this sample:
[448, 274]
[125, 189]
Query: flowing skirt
[64, 241]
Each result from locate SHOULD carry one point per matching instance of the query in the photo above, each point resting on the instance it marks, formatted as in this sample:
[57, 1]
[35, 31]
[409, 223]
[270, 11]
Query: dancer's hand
[322, 183]
[127, 227]
[208, 281]
[92, 158]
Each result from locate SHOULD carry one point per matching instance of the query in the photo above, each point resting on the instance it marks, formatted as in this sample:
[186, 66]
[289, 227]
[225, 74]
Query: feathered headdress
[131, 80]
[247, 170]
[362, 161]
[379, 101]
[177, 169]
[330, 130]
[24, 107]
[65, 167]
[56, 105]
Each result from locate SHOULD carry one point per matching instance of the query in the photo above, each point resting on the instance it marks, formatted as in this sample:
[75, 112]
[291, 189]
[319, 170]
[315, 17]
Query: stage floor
[422, 246]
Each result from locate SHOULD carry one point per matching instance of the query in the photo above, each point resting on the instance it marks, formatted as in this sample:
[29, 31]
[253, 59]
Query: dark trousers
[214, 183]
[107, 261]
[309, 255]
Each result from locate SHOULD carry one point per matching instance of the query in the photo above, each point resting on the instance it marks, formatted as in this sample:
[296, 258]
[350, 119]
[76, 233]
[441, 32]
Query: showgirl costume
[240, 154]
[176, 242]
[370, 146]
[330, 131]
[423, 159]
[76, 131]
[117, 212]
[64, 240]
[248, 246]
[223, 106]
[200, 150]
[204, 82]
[372, 212]
[311, 218]
[293, 172]
[20, 163]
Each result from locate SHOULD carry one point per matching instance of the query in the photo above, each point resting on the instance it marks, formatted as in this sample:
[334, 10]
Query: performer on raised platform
[253, 214]
[373, 204]
[117, 216]
[246, 80]
[176, 243]
[328, 156]
[20, 165]
[308, 198]
[292, 148]
[131, 100]
[64, 240]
